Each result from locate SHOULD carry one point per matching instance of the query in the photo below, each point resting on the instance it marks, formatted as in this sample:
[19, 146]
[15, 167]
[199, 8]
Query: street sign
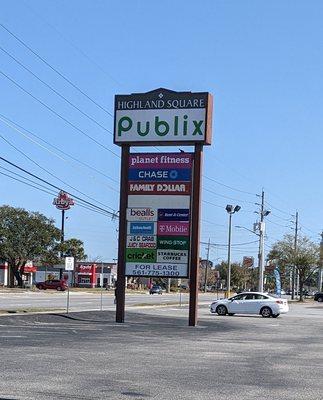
[69, 263]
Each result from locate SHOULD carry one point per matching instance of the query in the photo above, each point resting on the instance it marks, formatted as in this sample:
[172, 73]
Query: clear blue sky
[262, 61]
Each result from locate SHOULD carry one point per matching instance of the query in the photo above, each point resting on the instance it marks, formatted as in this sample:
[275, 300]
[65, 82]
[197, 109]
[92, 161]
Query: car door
[251, 304]
[236, 304]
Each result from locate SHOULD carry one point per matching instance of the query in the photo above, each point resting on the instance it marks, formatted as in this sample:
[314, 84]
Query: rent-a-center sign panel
[163, 117]
[158, 214]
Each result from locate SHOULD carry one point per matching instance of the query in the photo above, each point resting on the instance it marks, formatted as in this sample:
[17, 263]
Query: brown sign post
[160, 193]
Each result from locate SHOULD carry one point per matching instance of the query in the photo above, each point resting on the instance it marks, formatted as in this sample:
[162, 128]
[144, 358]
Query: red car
[55, 284]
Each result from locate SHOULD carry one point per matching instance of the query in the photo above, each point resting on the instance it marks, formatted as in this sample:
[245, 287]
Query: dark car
[318, 297]
[55, 284]
[156, 289]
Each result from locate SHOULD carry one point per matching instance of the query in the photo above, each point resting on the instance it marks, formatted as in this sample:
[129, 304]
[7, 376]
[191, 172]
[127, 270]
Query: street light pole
[230, 210]
[229, 257]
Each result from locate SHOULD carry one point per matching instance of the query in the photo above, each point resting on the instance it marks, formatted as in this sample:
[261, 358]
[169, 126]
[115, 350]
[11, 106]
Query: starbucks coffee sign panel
[163, 116]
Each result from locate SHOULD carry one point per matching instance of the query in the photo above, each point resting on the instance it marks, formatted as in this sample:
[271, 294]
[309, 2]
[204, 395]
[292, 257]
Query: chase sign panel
[163, 116]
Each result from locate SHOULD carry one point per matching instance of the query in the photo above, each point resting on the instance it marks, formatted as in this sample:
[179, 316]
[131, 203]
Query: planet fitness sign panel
[163, 116]
[158, 236]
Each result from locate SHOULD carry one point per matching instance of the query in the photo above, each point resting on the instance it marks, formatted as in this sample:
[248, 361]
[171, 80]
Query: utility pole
[295, 252]
[261, 252]
[207, 265]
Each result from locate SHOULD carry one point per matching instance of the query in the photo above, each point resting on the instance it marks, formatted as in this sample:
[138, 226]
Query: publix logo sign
[163, 116]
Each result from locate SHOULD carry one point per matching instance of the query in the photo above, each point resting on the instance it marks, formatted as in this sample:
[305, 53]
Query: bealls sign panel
[141, 214]
[163, 116]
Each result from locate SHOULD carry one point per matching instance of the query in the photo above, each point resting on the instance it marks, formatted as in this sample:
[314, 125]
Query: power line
[55, 91]
[12, 124]
[55, 70]
[72, 44]
[50, 173]
[50, 193]
[227, 197]
[58, 115]
[278, 209]
[56, 187]
[229, 187]
[226, 245]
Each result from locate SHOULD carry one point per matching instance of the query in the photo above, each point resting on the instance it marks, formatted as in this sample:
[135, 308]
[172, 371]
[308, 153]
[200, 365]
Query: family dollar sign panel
[158, 214]
[163, 115]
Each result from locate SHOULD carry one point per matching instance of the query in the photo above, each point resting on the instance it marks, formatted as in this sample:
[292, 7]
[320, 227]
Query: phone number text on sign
[156, 269]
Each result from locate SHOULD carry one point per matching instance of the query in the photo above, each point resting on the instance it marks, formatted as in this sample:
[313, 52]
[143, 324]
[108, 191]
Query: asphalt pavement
[155, 355]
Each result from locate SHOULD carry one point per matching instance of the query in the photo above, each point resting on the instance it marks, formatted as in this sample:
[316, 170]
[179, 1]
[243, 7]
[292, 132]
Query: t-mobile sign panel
[159, 215]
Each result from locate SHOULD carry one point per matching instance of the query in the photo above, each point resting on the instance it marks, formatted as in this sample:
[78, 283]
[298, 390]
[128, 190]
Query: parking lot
[155, 355]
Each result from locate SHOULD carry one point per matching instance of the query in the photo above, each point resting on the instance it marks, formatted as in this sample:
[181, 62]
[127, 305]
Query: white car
[251, 303]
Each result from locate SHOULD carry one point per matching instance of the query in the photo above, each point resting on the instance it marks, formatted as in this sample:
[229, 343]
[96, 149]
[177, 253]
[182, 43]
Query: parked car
[318, 297]
[251, 303]
[56, 284]
[156, 289]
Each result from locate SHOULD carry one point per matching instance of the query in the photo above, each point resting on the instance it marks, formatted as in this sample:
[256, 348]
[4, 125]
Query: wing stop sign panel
[160, 192]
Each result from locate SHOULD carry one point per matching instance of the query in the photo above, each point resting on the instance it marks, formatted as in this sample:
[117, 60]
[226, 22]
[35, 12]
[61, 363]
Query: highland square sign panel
[163, 116]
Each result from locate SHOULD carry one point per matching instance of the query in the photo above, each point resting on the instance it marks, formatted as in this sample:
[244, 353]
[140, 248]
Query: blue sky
[262, 61]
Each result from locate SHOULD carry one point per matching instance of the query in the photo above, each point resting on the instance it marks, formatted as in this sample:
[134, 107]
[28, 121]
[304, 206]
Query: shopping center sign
[163, 116]
[160, 193]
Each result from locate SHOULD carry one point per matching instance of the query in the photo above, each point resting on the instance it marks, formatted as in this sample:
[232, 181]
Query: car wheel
[58, 288]
[221, 310]
[40, 287]
[320, 299]
[230, 313]
[275, 315]
[266, 312]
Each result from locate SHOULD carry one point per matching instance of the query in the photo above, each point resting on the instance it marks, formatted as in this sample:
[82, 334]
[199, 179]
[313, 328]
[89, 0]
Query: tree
[73, 248]
[25, 236]
[241, 276]
[305, 258]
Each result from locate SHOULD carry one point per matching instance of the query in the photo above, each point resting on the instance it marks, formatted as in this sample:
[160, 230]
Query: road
[84, 300]
[155, 355]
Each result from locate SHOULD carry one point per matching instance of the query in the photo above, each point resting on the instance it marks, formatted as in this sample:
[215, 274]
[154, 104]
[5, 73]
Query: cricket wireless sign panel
[158, 233]
[163, 116]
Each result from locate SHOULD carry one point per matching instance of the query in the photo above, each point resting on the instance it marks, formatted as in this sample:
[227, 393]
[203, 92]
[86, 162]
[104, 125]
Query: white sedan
[251, 303]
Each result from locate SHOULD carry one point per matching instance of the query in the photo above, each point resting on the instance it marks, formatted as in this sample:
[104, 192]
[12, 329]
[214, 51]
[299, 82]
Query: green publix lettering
[161, 128]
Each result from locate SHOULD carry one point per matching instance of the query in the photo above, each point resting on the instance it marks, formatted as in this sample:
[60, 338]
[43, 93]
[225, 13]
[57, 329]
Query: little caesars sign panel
[163, 116]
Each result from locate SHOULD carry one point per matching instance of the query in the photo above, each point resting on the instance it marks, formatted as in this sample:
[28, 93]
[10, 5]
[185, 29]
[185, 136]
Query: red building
[85, 275]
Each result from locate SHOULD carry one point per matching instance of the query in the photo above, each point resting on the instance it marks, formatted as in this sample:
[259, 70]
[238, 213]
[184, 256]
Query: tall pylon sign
[160, 193]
